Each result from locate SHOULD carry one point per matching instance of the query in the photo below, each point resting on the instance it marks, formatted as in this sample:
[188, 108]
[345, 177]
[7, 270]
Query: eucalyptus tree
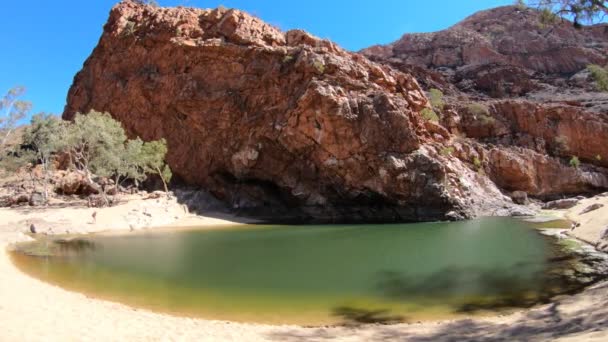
[11, 111]
[46, 137]
[579, 11]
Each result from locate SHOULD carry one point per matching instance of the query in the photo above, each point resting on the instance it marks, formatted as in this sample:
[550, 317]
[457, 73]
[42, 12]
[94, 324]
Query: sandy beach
[31, 310]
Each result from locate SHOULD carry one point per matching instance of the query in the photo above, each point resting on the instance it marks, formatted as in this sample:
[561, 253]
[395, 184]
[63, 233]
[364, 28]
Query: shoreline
[31, 308]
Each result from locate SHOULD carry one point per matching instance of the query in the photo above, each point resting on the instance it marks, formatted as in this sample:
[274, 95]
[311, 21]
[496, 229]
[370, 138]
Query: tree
[46, 136]
[153, 156]
[580, 11]
[11, 111]
[96, 144]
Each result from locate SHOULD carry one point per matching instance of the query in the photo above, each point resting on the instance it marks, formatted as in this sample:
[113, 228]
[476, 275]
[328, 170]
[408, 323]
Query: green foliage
[521, 4]
[477, 163]
[319, 65]
[447, 151]
[481, 113]
[96, 143]
[287, 58]
[16, 159]
[575, 162]
[547, 17]
[478, 109]
[436, 98]
[11, 111]
[152, 159]
[429, 115]
[599, 76]
[46, 135]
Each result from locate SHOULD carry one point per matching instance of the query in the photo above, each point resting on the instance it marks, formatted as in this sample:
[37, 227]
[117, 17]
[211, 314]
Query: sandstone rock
[604, 235]
[501, 51]
[592, 207]
[519, 197]
[74, 183]
[36, 199]
[523, 144]
[8, 201]
[561, 204]
[540, 175]
[282, 121]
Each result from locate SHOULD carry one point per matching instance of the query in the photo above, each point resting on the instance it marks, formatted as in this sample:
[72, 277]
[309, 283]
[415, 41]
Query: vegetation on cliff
[94, 145]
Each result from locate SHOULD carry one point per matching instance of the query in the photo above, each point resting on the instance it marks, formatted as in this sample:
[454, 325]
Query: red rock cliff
[266, 119]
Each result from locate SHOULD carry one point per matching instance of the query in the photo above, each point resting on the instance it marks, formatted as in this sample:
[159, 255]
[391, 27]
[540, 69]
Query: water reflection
[74, 246]
[303, 274]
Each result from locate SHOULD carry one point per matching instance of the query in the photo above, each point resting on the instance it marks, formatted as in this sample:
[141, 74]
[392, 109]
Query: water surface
[314, 274]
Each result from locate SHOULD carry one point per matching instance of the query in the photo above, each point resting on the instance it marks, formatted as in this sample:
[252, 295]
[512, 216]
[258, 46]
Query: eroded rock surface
[284, 123]
[275, 121]
[546, 134]
[503, 52]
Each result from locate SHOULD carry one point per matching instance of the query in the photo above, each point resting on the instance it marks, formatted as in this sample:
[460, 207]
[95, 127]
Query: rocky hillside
[284, 123]
[505, 52]
[520, 89]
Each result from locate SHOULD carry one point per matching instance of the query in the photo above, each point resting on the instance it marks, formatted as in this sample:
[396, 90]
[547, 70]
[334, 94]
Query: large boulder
[74, 183]
[282, 121]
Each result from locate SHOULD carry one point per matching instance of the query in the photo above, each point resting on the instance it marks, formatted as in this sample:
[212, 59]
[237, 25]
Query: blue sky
[44, 43]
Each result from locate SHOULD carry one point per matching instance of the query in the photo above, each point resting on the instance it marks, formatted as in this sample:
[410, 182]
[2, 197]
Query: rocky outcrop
[502, 52]
[552, 120]
[558, 130]
[285, 124]
[74, 183]
[541, 176]
[271, 121]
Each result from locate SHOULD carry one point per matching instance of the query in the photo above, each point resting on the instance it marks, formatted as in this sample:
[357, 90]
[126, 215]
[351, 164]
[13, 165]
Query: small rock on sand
[561, 204]
[592, 207]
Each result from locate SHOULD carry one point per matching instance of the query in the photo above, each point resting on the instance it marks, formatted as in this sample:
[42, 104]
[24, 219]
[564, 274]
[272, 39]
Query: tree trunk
[160, 174]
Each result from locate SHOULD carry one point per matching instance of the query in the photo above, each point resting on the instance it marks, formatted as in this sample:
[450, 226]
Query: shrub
[429, 115]
[447, 151]
[319, 65]
[287, 58]
[477, 163]
[575, 162]
[481, 112]
[599, 76]
[547, 18]
[436, 98]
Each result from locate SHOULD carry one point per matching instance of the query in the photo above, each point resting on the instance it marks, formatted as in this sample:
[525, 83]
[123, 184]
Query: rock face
[505, 51]
[278, 123]
[267, 120]
[549, 111]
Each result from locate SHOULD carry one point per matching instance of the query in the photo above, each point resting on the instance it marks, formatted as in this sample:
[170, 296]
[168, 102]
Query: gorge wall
[284, 123]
